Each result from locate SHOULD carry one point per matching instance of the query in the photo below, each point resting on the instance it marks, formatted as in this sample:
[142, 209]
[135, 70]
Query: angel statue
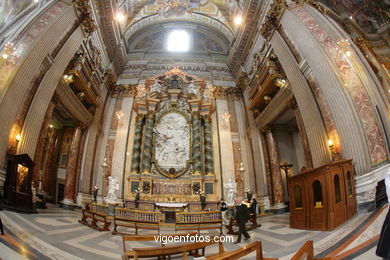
[113, 187]
[231, 191]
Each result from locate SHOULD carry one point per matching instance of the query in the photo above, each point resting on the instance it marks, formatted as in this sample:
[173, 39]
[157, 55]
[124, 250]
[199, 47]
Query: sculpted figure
[231, 191]
[113, 187]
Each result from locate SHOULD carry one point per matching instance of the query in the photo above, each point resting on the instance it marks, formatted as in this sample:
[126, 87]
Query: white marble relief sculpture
[172, 147]
[156, 87]
[192, 89]
[231, 191]
[113, 187]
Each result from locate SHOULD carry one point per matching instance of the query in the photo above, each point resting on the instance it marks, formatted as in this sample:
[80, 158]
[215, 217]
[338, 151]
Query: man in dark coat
[383, 248]
[242, 216]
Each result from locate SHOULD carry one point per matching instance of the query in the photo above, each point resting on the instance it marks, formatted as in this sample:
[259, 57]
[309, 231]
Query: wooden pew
[128, 238]
[236, 254]
[97, 213]
[233, 222]
[136, 219]
[95, 218]
[183, 250]
[306, 252]
[199, 221]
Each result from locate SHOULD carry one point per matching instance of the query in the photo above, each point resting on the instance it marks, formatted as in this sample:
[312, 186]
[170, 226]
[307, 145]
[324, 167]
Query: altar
[169, 210]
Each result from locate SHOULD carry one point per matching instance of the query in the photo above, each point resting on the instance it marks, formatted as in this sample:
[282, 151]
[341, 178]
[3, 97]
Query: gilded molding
[271, 21]
[85, 15]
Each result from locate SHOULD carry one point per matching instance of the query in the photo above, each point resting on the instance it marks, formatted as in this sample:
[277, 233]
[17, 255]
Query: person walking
[383, 248]
[242, 216]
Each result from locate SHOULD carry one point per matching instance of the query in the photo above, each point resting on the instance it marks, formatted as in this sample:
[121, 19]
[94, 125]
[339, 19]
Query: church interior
[124, 119]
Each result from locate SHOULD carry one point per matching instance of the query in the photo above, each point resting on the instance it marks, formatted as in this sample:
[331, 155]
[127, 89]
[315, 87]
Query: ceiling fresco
[9, 10]
[371, 16]
[222, 10]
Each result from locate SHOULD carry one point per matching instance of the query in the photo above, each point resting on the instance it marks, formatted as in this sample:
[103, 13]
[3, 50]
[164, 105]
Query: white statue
[231, 191]
[113, 187]
[172, 148]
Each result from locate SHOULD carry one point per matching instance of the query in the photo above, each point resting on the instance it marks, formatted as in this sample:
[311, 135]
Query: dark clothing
[253, 206]
[223, 207]
[383, 249]
[242, 216]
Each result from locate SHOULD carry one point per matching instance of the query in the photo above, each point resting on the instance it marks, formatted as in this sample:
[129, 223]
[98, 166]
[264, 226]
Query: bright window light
[178, 41]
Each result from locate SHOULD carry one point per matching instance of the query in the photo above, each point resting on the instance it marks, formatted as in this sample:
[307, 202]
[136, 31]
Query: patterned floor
[55, 233]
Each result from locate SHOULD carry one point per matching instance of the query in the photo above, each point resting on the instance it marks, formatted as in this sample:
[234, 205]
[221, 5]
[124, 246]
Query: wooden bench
[136, 219]
[183, 250]
[246, 250]
[127, 238]
[95, 218]
[306, 252]
[233, 222]
[136, 224]
[199, 221]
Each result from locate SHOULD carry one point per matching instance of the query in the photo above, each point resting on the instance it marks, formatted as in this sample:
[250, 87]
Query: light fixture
[351, 17]
[178, 41]
[105, 164]
[17, 138]
[226, 116]
[348, 53]
[238, 20]
[119, 114]
[51, 126]
[280, 82]
[344, 47]
[241, 169]
[120, 17]
[330, 143]
[68, 78]
[9, 50]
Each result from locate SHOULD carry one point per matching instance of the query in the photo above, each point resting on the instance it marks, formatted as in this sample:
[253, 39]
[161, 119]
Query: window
[317, 191]
[178, 41]
[336, 181]
[298, 197]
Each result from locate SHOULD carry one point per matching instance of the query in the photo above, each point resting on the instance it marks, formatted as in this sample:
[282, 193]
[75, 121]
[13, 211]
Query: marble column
[71, 170]
[51, 163]
[208, 141]
[303, 134]
[196, 151]
[136, 155]
[148, 144]
[39, 151]
[267, 167]
[275, 169]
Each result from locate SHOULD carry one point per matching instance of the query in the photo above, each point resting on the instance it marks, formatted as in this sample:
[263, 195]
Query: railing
[99, 208]
[138, 215]
[199, 217]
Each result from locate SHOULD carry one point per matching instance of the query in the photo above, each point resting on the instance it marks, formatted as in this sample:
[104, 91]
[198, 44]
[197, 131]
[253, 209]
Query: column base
[264, 204]
[81, 197]
[69, 204]
[366, 188]
[278, 208]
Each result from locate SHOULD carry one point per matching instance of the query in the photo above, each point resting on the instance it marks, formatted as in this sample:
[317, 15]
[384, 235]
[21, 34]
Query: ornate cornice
[271, 21]
[225, 92]
[85, 15]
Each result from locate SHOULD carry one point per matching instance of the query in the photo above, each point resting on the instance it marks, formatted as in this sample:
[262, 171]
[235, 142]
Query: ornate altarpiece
[172, 155]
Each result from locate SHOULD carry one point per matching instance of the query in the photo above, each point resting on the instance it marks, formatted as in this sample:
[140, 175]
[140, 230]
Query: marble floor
[55, 233]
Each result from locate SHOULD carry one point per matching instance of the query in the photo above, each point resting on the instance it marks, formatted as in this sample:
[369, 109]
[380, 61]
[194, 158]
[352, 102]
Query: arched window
[298, 197]
[349, 184]
[317, 191]
[336, 181]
